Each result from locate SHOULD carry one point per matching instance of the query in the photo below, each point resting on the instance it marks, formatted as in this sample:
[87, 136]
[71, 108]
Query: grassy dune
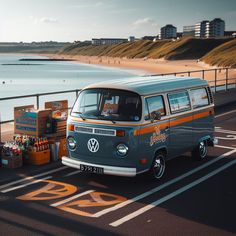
[223, 55]
[185, 48]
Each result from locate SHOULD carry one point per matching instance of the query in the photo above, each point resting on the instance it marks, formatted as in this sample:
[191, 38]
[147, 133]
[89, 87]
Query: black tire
[200, 152]
[157, 169]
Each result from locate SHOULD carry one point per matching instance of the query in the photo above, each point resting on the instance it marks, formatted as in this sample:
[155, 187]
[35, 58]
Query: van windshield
[108, 104]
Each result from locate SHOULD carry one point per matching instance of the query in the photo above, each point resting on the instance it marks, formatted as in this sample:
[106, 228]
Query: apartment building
[210, 29]
[216, 28]
[168, 32]
[189, 30]
[202, 29]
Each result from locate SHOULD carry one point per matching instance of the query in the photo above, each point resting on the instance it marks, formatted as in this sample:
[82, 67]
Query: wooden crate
[58, 107]
[62, 148]
[11, 162]
[39, 158]
[59, 126]
[29, 121]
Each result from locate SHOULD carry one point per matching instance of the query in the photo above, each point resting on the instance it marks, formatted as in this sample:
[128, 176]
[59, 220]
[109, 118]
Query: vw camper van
[129, 126]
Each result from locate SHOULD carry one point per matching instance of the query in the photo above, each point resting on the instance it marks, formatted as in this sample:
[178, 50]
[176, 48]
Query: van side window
[199, 97]
[154, 104]
[179, 102]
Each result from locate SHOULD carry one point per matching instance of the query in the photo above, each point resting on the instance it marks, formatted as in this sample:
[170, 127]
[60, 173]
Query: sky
[71, 20]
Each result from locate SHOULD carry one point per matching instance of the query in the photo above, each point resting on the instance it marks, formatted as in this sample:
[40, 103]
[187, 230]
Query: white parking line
[154, 190]
[72, 173]
[225, 131]
[71, 198]
[226, 113]
[171, 195]
[225, 147]
[24, 185]
[32, 177]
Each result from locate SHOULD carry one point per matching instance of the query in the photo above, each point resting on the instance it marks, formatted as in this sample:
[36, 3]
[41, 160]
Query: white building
[189, 30]
[108, 41]
[210, 29]
[168, 32]
[202, 29]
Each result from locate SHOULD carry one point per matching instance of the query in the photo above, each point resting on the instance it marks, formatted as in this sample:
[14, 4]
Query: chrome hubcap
[159, 167]
[202, 149]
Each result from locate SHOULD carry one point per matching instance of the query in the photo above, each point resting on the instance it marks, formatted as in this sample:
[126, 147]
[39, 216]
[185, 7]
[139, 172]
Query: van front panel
[107, 145]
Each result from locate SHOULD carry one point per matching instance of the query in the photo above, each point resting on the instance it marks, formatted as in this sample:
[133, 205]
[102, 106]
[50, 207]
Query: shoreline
[142, 66]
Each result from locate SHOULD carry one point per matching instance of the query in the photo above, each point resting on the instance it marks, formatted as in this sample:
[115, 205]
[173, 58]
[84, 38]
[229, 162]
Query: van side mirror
[156, 115]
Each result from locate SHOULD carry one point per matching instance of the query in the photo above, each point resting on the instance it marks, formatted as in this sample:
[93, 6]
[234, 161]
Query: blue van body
[163, 115]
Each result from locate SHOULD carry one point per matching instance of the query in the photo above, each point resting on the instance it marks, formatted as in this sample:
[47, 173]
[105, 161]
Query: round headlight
[122, 150]
[71, 143]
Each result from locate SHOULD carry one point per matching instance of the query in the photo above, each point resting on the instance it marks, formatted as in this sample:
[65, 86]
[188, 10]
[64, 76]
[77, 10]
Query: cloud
[46, 20]
[145, 21]
[95, 5]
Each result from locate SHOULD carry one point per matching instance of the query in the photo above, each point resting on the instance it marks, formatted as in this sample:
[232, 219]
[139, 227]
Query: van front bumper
[108, 170]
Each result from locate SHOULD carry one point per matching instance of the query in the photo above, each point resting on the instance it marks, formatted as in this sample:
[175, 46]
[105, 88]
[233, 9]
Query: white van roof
[146, 85]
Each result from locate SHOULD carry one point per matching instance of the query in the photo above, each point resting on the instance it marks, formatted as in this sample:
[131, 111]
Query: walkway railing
[219, 79]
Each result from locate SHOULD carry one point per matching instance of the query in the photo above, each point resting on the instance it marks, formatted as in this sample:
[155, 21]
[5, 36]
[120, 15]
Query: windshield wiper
[102, 118]
[80, 114]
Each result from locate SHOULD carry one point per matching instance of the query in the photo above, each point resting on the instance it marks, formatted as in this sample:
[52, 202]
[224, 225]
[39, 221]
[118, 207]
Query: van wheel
[158, 166]
[200, 152]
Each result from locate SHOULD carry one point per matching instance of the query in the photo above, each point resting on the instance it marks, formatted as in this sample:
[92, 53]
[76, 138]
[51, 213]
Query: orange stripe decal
[178, 121]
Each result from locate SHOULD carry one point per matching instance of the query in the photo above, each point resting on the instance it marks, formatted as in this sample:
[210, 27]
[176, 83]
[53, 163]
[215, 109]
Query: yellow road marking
[53, 190]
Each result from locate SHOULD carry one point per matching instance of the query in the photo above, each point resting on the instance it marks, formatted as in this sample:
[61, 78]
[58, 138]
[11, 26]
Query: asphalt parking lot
[192, 198]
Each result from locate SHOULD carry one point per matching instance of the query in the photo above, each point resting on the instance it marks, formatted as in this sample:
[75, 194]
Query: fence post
[189, 73]
[37, 101]
[227, 77]
[0, 129]
[203, 74]
[77, 93]
[215, 79]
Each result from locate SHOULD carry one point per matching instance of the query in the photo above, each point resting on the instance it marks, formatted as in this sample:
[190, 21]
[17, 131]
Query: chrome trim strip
[108, 170]
[96, 129]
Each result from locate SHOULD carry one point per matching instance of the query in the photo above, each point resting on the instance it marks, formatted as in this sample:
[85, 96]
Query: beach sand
[145, 66]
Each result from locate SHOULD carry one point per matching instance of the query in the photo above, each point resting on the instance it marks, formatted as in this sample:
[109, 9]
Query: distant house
[179, 34]
[168, 32]
[131, 39]
[230, 33]
[148, 38]
[108, 41]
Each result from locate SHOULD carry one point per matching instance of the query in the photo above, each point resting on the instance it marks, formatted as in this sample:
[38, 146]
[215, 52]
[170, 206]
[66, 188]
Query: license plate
[91, 169]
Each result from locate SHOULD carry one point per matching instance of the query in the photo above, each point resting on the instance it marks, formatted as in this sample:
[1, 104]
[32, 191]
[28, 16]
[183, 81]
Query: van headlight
[122, 149]
[71, 143]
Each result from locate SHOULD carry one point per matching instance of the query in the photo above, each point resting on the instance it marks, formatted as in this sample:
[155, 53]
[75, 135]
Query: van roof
[151, 84]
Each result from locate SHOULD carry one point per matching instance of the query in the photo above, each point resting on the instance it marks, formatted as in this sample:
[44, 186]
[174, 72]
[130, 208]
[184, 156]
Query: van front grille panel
[107, 132]
[96, 131]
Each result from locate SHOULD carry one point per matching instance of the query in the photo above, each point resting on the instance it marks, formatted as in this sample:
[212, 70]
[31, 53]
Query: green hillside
[223, 55]
[185, 48]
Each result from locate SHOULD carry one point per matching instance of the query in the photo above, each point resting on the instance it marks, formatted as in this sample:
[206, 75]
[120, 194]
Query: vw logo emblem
[93, 145]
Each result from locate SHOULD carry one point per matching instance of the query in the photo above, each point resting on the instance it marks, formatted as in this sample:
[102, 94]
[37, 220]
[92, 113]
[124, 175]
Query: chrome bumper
[108, 170]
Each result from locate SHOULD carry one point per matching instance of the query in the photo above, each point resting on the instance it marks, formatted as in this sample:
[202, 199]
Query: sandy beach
[145, 66]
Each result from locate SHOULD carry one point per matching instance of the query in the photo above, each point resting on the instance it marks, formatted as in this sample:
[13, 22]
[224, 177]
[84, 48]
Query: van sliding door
[181, 122]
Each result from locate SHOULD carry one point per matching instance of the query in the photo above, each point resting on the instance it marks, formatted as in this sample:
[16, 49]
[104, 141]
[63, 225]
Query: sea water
[19, 78]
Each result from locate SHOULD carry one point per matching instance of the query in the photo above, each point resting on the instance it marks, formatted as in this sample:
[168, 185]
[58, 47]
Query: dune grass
[185, 48]
[224, 55]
